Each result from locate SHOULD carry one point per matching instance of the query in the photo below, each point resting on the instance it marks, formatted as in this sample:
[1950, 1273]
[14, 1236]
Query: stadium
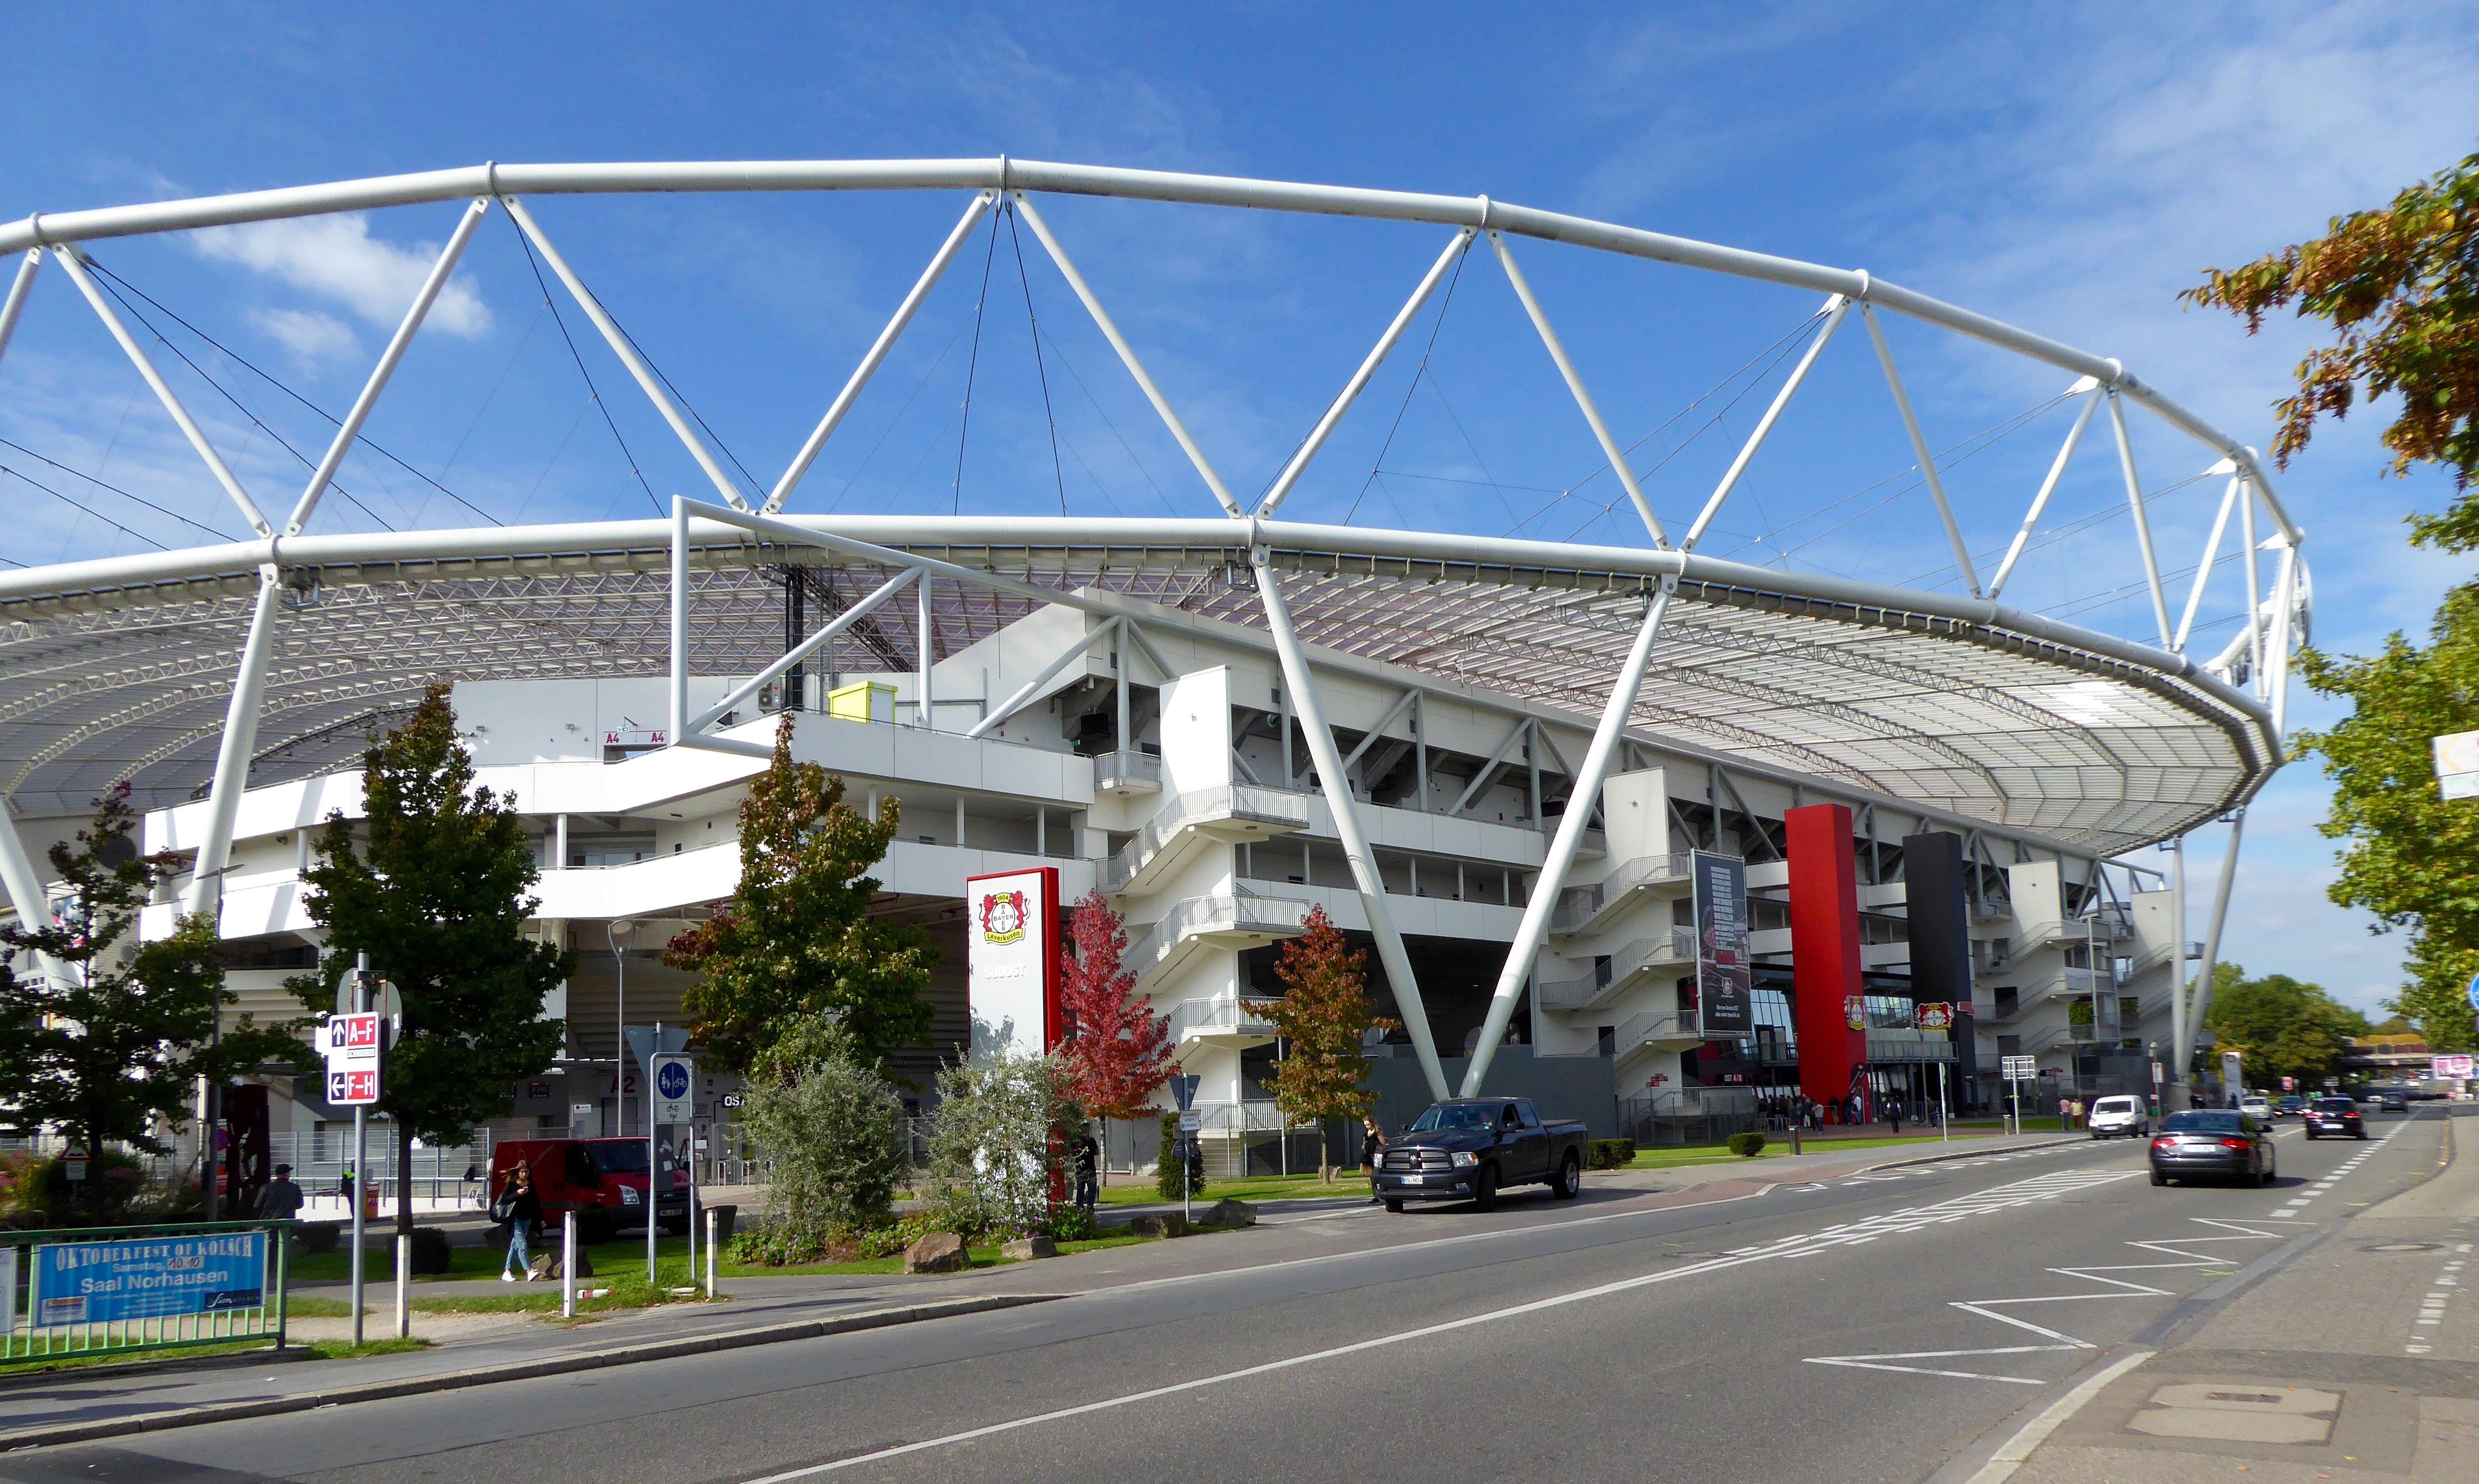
[1645, 832]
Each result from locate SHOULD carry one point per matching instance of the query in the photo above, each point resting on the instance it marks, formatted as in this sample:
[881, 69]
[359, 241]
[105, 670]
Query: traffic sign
[2016, 1068]
[675, 1087]
[1190, 1122]
[350, 1086]
[73, 1162]
[350, 1040]
[2474, 992]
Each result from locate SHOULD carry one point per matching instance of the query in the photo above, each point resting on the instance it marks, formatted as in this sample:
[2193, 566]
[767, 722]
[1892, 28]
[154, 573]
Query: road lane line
[2021, 1193]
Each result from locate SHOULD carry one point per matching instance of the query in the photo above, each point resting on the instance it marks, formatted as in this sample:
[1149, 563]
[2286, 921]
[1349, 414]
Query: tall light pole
[611, 931]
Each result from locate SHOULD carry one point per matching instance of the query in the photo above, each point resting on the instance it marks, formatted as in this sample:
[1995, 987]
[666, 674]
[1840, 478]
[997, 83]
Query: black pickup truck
[1472, 1148]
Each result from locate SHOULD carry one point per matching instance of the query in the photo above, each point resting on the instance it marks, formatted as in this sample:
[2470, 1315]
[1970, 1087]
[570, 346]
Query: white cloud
[336, 258]
[314, 339]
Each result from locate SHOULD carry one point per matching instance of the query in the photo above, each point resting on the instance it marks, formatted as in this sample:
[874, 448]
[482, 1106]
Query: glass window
[1468, 1117]
[619, 1159]
[2208, 1122]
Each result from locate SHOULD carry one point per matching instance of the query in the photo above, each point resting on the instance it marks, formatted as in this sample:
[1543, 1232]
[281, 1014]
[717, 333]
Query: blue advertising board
[148, 1278]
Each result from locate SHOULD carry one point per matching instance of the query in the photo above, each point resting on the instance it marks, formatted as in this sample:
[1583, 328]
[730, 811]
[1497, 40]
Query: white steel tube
[1920, 447]
[1127, 354]
[2142, 519]
[351, 427]
[2048, 487]
[2200, 998]
[1570, 838]
[2255, 596]
[403, 1269]
[18, 288]
[2181, 1050]
[1610, 449]
[67, 258]
[567, 1265]
[627, 355]
[25, 888]
[824, 636]
[924, 701]
[1835, 307]
[713, 1228]
[1368, 365]
[2203, 568]
[1299, 685]
[679, 619]
[2285, 600]
[767, 175]
[877, 355]
[1026, 692]
[233, 752]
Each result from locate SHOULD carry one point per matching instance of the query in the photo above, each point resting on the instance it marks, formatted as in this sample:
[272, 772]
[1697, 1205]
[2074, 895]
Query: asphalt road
[1860, 1329]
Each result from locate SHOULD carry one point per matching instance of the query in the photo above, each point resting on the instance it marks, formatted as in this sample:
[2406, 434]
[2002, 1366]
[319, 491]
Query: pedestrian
[1371, 1139]
[1088, 1164]
[1894, 1111]
[344, 1188]
[521, 1209]
[281, 1200]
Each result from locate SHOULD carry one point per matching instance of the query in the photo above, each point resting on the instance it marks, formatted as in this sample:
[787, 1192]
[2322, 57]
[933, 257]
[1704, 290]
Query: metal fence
[94, 1290]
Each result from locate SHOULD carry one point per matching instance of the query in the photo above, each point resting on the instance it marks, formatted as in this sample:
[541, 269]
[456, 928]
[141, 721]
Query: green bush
[1612, 1153]
[1071, 1223]
[318, 1238]
[430, 1251]
[995, 1146]
[775, 1245]
[1746, 1145]
[835, 1130]
[1166, 1174]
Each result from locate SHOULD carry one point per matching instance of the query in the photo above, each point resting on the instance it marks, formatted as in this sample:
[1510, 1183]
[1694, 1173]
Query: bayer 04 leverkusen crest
[1003, 917]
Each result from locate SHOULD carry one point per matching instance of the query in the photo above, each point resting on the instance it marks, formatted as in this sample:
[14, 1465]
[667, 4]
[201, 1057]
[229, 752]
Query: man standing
[281, 1200]
[1088, 1168]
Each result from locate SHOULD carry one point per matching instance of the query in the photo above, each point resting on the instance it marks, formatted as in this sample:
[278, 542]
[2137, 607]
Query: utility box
[863, 701]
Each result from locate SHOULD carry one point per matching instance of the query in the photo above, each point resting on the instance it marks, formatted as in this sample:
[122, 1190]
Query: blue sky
[2069, 169]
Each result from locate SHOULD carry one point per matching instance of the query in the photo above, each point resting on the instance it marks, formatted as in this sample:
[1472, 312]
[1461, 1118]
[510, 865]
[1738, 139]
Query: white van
[2116, 1115]
[2256, 1105]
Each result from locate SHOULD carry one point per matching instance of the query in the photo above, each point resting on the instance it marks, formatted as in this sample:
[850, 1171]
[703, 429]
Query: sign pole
[653, 1142]
[1945, 1115]
[361, 1148]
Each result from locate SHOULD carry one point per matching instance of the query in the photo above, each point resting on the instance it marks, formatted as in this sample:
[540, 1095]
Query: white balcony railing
[1203, 807]
[1580, 905]
[1658, 1025]
[1127, 773]
[1677, 947]
[1237, 910]
[1221, 1015]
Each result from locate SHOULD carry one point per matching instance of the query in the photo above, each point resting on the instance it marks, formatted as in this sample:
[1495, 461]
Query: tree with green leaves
[436, 887]
[796, 944]
[1323, 1018]
[113, 1032]
[2280, 1026]
[2400, 283]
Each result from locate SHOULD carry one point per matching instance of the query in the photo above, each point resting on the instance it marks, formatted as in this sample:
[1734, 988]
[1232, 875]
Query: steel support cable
[1435, 326]
[1056, 473]
[893, 423]
[972, 370]
[114, 287]
[75, 505]
[114, 489]
[1068, 364]
[1780, 348]
[591, 390]
[246, 364]
[681, 397]
[2101, 516]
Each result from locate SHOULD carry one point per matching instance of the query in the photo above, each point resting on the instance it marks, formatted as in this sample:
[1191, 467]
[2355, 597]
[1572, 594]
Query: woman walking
[1371, 1139]
[521, 1209]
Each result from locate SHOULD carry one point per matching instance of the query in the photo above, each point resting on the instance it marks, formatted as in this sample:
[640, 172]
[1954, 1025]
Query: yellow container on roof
[862, 700]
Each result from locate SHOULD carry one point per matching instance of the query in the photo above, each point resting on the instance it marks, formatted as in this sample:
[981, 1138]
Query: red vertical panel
[1054, 1020]
[1823, 948]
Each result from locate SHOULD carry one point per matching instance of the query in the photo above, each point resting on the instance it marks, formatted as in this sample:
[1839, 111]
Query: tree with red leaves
[1117, 1053]
[1324, 1018]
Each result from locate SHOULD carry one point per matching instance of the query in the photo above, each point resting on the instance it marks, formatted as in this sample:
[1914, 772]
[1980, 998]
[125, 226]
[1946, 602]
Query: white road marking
[2002, 1465]
[2004, 1197]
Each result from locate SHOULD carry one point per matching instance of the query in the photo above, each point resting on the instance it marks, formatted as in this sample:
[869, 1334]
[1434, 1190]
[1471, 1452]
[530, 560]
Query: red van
[602, 1180]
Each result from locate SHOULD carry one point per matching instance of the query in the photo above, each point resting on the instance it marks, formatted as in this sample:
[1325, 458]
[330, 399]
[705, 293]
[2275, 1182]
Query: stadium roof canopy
[124, 668]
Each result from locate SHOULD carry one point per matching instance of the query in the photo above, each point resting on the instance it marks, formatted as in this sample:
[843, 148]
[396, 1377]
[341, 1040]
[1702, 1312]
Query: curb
[520, 1371]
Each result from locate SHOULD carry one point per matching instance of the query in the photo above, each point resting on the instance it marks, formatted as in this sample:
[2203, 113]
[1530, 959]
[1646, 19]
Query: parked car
[2335, 1116]
[2291, 1106]
[2215, 1143]
[602, 1180]
[2111, 1116]
[1472, 1148]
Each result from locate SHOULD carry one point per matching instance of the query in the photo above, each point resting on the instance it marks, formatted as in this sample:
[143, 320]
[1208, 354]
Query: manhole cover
[2402, 1247]
[2279, 1415]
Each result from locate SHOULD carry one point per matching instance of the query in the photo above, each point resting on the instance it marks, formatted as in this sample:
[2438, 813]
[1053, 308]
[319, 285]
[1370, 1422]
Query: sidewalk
[2358, 1358]
[476, 1349]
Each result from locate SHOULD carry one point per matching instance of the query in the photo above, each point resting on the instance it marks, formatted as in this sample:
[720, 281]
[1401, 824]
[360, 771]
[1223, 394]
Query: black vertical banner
[1722, 973]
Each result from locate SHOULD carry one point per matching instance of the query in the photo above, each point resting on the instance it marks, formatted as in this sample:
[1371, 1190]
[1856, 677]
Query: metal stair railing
[1201, 806]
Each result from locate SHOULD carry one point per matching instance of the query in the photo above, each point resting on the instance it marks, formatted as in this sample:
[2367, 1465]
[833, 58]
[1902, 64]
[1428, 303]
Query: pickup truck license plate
[1415, 1179]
